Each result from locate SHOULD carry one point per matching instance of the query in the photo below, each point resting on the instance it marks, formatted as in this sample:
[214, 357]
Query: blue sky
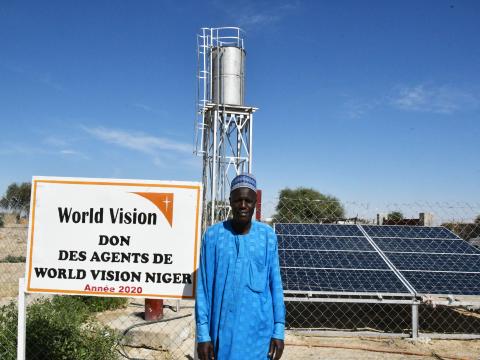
[372, 101]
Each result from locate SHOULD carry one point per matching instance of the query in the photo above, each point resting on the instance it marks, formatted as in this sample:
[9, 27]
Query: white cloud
[69, 152]
[148, 108]
[142, 106]
[415, 98]
[438, 100]
[8, 148]
[27, 149]
[355, 108]
[49, 81]
[159, 162]
[55, 141]
[249, 19]
[259, 13]
[45, 78]
[137, 141]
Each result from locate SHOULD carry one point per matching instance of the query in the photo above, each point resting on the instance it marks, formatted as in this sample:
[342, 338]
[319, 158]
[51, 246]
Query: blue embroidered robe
[239, 303]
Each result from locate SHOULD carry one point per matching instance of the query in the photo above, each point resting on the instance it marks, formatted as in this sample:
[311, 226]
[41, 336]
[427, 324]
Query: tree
[477, 220]
[395, 216]
[17, 198]
[305, 205]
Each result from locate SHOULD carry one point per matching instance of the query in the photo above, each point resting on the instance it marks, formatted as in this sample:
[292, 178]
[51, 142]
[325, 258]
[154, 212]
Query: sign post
[22, 321]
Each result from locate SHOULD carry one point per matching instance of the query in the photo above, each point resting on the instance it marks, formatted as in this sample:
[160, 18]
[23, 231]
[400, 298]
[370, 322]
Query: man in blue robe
[239, 306]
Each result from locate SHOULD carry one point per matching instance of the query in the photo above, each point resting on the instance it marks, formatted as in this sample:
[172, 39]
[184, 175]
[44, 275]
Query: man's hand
[276, 349]
[205, 351]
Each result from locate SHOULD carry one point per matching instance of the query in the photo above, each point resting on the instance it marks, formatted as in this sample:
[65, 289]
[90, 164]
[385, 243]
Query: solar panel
[435, 262]
[375, 258]
[444, 282]
[317, 242]
[330, 280]
[425, 245]
[409, 232]
[332, 258]
[432, 259]
[318, 229]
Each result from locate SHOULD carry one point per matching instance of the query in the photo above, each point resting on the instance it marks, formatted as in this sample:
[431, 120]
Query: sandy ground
[13, 242]
[318, 347]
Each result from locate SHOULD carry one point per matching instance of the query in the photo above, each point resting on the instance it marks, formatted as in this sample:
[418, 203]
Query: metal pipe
[238, 120]
[250, 144]
[353, 301]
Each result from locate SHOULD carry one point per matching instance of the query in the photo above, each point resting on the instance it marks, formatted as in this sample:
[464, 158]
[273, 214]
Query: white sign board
[113, 237]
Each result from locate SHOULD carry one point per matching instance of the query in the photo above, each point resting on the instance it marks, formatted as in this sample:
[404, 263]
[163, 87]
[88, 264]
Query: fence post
[415, 320]
[22, 323]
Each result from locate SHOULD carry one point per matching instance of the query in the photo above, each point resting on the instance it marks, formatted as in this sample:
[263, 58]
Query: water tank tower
[224, 124]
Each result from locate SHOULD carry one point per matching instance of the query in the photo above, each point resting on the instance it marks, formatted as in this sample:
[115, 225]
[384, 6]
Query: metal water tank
[228, 75]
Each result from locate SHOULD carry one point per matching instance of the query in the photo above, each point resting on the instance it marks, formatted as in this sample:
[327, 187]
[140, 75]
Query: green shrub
[97, 304]
[2, 219]
[8, 332]
[63, 329]
[60, 328]
[13, 259]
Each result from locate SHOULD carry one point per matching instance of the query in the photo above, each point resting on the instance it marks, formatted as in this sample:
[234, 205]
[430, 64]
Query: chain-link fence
[71, 327]
[355, 292]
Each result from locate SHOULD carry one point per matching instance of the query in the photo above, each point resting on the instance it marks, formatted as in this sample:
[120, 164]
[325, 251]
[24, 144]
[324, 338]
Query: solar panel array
[376, 259]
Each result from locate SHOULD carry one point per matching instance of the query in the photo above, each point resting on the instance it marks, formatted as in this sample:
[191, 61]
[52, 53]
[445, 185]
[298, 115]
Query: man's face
[242, 201]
